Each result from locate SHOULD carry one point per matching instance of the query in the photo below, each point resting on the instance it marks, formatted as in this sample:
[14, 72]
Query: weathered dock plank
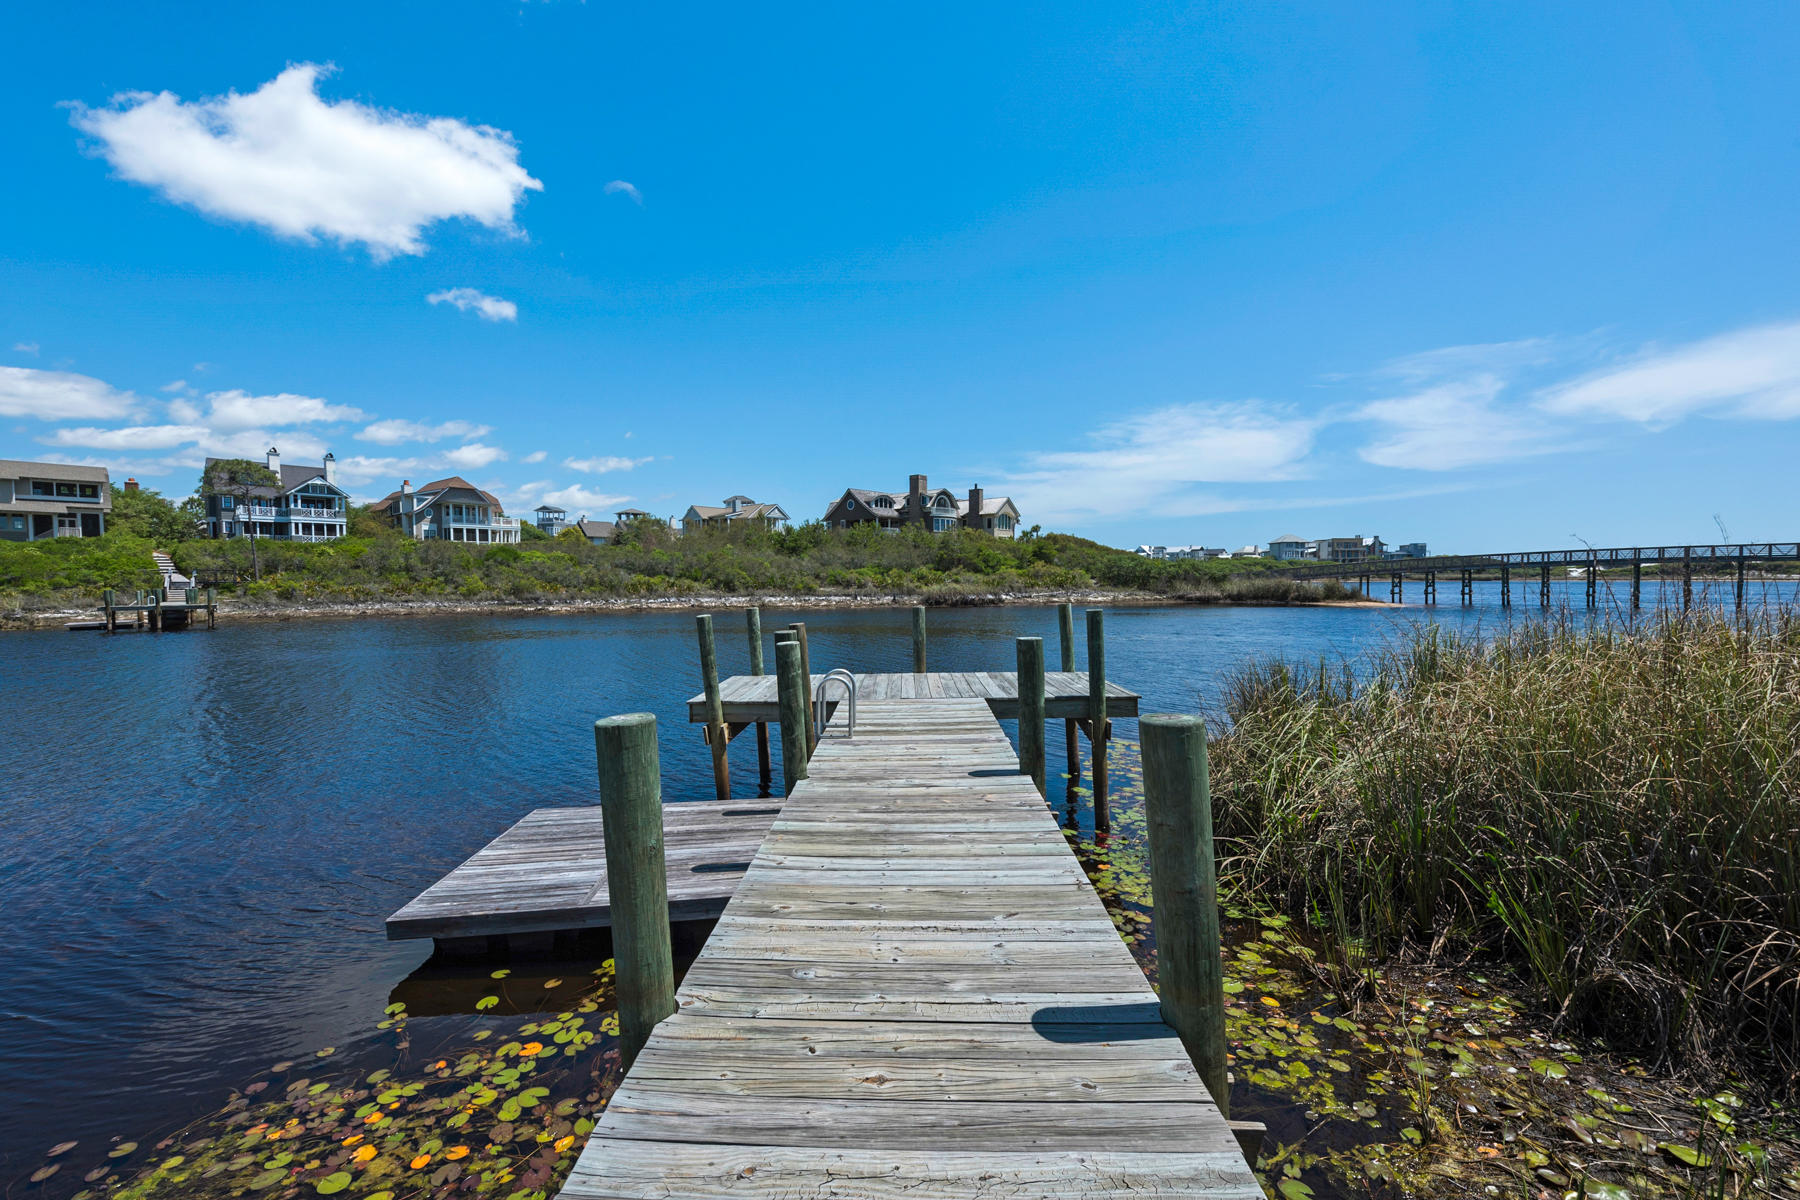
[548, 872]
[915, 991]
[749, 698]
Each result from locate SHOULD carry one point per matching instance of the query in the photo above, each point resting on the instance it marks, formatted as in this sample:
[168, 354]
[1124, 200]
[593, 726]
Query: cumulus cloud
[1752, 373]
[619, 187]
[489, 308]
[1160, 460]
[577, 497]
[282, 158]
[395, 430]
[60, 396]
[536, 456]
[473, 455]
[238, 409]
[604, 463]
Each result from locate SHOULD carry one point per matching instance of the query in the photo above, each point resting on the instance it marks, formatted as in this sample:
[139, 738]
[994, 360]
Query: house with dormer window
[449, 510]
[52, 500]
[736, 513]
[304, 505]
[937, 509]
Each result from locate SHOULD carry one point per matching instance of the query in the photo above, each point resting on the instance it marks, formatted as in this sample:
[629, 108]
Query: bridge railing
[1610, 556]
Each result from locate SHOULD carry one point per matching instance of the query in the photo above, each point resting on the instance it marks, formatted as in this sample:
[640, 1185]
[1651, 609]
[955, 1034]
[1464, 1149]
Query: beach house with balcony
[551, 519]
[49, 500]
[306, 505]
[449, 510]
[938, 510]
[738, 512]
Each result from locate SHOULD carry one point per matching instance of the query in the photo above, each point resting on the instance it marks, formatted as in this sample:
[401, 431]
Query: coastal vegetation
[647, 561]
[1614, 809]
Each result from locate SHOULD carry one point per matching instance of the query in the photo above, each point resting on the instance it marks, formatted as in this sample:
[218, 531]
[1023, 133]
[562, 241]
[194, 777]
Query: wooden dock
[752, 698]
[547, 873]
[915, 992]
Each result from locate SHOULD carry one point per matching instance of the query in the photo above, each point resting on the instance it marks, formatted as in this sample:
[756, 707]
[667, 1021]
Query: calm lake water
[201, 833]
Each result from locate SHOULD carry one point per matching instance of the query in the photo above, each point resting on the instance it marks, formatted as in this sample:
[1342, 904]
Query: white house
[1288, 545]
[450, 510]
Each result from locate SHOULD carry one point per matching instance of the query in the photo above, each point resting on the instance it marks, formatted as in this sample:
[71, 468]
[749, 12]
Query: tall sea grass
[1615, 808]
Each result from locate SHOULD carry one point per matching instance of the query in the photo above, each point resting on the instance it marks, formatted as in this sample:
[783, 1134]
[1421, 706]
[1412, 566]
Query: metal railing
[820, 712]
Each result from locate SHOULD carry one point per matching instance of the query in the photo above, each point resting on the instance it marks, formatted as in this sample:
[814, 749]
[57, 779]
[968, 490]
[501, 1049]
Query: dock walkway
[914, 992]
[751, 698]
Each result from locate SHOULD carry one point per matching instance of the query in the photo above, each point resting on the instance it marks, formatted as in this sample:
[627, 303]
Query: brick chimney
[915, 499]
[131, 485]
[975, 521]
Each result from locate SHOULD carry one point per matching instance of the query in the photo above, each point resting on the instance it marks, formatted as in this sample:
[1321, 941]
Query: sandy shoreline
[234, 610]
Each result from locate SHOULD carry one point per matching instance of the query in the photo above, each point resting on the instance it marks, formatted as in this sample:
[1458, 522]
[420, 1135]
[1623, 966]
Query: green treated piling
[793, 712]
[1031, 709]
[753, 623]
[1096, 663]
[918, 626]
[806, 685]
[1184, 890]
[718, 739]
[631, 819]
[1065, 629]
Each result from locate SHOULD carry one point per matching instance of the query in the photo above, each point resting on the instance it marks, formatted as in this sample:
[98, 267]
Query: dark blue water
[201, 833]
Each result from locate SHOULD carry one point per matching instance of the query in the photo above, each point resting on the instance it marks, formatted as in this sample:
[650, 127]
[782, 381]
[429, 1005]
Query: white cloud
[1157, 460]
[356, 469]
[1752, 373]
[238, 409]
[282, 158]
[473, 455]
[490, 308]
[1452, 424]
[30, 348]
[60, 396]
[175, 385]
[130, 437]
[395, 430]
[621, 187]
[576, 498]
[604, 463]
[536, 456]
[185, 411]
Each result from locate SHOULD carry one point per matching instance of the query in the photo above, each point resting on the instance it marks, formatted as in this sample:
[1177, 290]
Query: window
[41, 487]
[851, 506]
[65, 489]
[940, 524]
[90, 491]
[227, 501]
[18, 522]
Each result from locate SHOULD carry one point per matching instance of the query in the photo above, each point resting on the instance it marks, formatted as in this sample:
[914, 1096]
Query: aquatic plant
[1615, 808]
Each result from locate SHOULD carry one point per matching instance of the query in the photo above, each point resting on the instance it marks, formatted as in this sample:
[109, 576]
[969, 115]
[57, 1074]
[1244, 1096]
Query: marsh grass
[1614, 808]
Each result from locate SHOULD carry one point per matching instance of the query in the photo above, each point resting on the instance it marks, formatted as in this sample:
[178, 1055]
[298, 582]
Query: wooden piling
[918, 630]
[1184, 890]
[212, 608]
[1740, 581]
[1030, 654]
[812, 735]
[631, 820]
[718, 739]
[1687, 578]
[793, 698]
[753, 620]
[1637, 580]
[106, 599]
[1096, 664]
[1065, 629]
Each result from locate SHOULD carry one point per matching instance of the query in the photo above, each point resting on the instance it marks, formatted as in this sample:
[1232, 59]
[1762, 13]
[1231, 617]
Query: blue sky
[1486, 276]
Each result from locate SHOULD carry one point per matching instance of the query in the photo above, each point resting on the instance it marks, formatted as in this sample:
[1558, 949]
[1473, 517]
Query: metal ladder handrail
[841, 676]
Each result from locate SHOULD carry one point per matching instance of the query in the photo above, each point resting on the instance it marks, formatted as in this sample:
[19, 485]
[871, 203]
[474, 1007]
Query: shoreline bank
[233, 609]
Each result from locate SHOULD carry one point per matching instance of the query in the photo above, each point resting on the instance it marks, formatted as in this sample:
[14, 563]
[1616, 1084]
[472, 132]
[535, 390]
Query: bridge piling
[1544, 586]
[1740, 581]
[1468, 587]
[1687, 578]
[1593, 584]
[1396, 587]
[1637, 582]
[1431, 587]
[1505, 587]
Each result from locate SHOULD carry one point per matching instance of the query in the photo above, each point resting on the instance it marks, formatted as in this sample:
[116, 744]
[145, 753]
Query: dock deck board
[915, 991]
[548, 872]
[749, 698]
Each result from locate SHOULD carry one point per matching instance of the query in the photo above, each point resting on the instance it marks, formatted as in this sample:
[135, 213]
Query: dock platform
[752, 698]
[915, 992]
[547, 873]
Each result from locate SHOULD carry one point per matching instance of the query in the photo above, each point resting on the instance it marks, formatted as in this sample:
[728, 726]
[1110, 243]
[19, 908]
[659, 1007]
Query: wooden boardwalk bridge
[1733, 558]
[914, 992]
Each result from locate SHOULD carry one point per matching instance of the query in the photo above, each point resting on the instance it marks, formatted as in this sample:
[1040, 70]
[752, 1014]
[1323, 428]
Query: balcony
[480, 522]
